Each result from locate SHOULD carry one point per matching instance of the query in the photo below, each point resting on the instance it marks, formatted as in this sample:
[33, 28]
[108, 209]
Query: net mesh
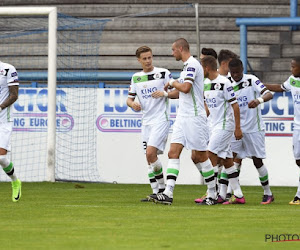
[24, 44]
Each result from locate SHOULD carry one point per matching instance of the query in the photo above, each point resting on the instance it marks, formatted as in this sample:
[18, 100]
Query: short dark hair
[209, 61]
[181, 42]
[225, 55]
[235, 63]
[209, 52]
[141, 50]
[297, 59]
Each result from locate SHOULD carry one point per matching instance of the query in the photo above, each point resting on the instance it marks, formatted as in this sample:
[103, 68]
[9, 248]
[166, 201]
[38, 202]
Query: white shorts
[5, 135]
[296, 144]
[155, 135]
[252, 144]
[191, 132]
[220, 143]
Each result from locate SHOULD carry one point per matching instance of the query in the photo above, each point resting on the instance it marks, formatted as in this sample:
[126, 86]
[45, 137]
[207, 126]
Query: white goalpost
[51, 12]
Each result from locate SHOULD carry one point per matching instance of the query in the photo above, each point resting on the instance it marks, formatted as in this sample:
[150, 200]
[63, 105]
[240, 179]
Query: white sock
[172, 174]
[223, 184]
[264, 179]
[208, 174]
[158, 173]
[233, 180]
[8, 167]
[153, 182]
[238, 167]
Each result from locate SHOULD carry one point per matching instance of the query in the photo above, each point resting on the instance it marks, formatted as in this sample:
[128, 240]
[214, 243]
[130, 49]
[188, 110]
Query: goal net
[24, 44]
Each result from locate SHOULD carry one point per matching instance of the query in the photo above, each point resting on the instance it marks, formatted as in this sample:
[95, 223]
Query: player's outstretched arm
[274, 87]
[265, 98]
[236, 111]
[182, 87]
[173, 94]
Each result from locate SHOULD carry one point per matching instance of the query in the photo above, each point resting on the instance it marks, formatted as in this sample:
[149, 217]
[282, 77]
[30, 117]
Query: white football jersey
[292, 84]
[192, 103]
[219, 96]
[246, 90]
[8, 77]
[143, 84]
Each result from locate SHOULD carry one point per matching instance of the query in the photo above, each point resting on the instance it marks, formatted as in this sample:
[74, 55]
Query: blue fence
[292, 21]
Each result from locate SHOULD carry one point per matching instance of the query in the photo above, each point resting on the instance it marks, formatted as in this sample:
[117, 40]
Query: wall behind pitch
[121, 158]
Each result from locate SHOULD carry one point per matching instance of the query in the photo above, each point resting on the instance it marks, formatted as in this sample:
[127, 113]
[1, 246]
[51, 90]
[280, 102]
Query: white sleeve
[189, 74]
[229, 93]
[286, 86]
[12, 76]
[259, 87]
[132, 89]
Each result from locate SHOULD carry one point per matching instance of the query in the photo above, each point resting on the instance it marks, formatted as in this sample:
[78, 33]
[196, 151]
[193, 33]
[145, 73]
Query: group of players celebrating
[219, 119]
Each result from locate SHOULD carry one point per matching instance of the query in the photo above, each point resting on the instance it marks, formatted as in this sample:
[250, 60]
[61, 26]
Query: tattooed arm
[13, 96]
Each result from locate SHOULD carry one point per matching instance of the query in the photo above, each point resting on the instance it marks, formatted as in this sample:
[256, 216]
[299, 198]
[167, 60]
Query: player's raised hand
[136, 106]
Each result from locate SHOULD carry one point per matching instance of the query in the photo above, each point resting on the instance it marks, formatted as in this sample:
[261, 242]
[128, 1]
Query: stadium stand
[269, 48]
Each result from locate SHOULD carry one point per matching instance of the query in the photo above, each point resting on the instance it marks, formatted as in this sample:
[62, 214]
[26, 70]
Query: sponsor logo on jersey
[139, 79]
[245, 84]
[157, 76]
[4, 72]
[14, 74]
[217, 86]
[257, 82]
[170, 76]
[191, 69]
[190, 75]
[230, 89]
[293, 82]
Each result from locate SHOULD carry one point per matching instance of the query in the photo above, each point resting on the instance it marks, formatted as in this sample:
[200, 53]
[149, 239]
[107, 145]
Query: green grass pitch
[111, 216]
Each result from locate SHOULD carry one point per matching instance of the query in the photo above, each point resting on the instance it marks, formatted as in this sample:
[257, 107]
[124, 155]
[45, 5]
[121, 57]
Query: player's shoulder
[252, 78]
[223, 79]
[293, 78]
[192, 64]
[139, 73]
[193, 61]
[4, 65]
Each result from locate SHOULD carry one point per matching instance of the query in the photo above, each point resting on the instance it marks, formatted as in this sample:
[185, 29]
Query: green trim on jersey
[167, 105]
[8, 113]
[207, 87]
[194, 101]
[146, 78]
[137, 79]
[211, 86]
[294, 82]
[257, 115]
[224, 120]
[241, 85]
